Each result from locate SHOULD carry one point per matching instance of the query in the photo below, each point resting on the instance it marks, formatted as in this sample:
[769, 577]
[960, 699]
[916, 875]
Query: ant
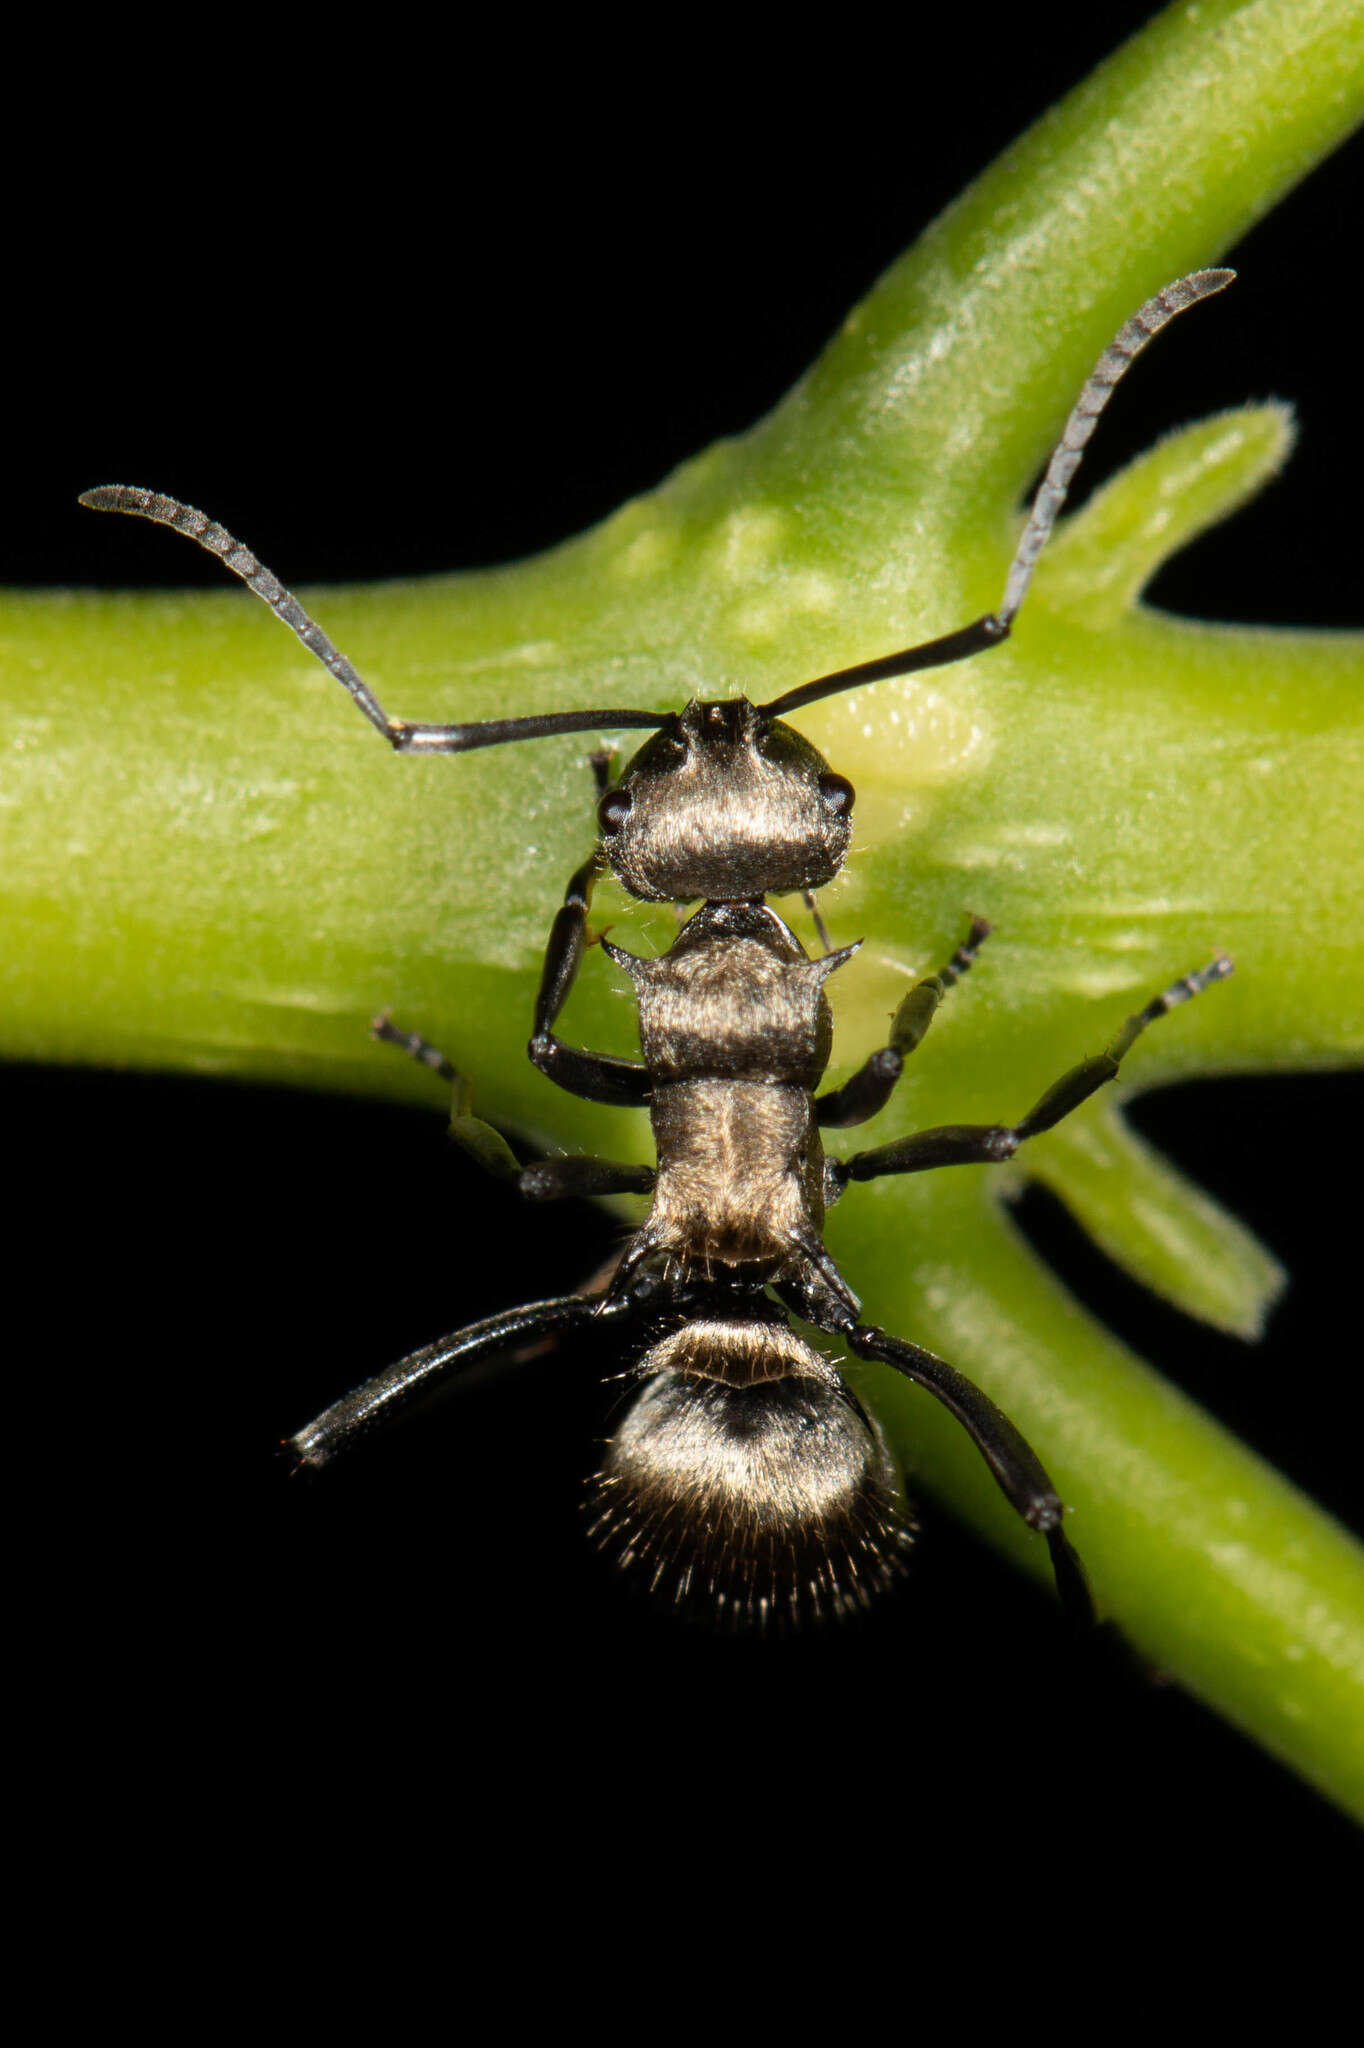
[746, 1476]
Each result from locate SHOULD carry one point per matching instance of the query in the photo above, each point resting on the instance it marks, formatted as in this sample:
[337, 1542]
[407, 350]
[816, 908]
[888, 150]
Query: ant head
[747, 1480]
[726, 802]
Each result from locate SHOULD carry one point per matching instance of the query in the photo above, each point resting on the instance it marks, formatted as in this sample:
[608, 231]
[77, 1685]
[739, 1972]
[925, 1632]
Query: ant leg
[337, 1428]
[807, 897]
[595, 1076]
[987, 1144]
[1015, 1465]
[580, 1174]
[567, 944]
[568, 934]
[871, 1086]
[485, 1146]
[547, 1180]
[417, 1048]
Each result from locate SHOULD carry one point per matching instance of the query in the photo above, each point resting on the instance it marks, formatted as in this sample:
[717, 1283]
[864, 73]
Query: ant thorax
[735, 997]
[736, 1032]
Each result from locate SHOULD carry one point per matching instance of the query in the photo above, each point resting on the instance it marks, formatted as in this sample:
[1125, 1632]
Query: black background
[384, 315]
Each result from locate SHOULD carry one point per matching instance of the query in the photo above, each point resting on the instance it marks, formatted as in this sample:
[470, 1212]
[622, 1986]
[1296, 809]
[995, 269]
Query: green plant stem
[212, 864]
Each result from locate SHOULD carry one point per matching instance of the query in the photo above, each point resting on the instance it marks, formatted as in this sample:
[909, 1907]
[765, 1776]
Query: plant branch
[210, 863]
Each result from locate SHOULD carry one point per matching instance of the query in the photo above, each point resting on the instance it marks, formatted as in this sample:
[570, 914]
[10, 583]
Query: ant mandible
[746, 1475]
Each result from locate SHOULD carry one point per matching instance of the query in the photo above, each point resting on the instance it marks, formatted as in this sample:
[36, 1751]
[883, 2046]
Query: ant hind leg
[1017, 1469]
[356, 1414]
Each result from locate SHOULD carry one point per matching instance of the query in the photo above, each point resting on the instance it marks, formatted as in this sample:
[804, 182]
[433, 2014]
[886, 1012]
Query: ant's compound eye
[837, 793]
[646, 1287]
[613, 810]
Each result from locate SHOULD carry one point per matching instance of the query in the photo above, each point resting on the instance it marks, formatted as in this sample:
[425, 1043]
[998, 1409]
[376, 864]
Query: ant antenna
[404, 737]
[988, 631]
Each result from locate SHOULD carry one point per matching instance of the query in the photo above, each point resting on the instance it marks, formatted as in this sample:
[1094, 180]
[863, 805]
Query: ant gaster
[746, 1476]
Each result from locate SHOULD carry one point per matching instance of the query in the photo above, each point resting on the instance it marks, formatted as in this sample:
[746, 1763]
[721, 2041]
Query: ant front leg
[601, 763]
[546, 1180]
[988, 1144]
[595, 1076]
[807, 897]
[871, 1087]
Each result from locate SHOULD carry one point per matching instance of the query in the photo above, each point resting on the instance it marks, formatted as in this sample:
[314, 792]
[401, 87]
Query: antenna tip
[113, 498]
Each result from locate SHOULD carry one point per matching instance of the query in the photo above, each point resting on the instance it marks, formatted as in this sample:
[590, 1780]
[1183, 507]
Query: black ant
[746, 1475]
